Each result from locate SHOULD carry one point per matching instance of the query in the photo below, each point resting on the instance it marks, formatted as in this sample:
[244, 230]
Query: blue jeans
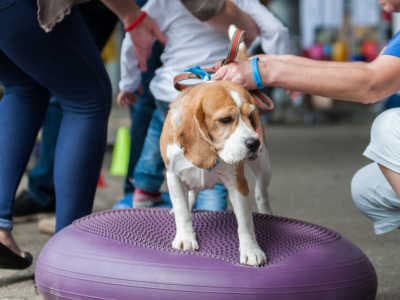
[141, 115]
[40, 184]
[40, 178]
[66, 64]
[149, 172]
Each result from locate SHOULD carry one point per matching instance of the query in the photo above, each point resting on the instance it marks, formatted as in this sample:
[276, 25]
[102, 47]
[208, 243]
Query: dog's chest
[194, 178]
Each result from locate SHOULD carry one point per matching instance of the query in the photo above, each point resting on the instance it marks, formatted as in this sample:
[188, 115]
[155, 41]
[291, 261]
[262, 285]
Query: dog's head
[218, 121]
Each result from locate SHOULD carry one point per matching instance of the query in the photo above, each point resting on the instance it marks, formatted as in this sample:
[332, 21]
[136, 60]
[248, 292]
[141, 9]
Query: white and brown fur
[204, 142]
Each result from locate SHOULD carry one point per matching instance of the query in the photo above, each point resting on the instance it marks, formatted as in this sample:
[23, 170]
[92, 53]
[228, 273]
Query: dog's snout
[252, 144]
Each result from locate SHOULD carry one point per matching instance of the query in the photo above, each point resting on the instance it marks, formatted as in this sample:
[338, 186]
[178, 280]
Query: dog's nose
[252, 144]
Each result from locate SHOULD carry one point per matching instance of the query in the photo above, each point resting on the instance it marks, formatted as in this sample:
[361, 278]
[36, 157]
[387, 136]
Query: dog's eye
[226, 120]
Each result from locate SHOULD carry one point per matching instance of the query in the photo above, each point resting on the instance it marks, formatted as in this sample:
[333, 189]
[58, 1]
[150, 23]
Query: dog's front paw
[252, 255]
[185, 241]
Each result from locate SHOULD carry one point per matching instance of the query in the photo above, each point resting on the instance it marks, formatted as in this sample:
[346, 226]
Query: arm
[357, 82]
[144, 35]
[274, 36]
[130, 74]
[126, 10]
[222, 13]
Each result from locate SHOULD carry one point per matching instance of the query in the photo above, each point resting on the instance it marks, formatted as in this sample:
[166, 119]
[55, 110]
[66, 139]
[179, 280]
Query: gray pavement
[312, 169]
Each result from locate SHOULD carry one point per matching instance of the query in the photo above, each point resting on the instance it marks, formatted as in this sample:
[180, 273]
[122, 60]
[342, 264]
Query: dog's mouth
[252, 156]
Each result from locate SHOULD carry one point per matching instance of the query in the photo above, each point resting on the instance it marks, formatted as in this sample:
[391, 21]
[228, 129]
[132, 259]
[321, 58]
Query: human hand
[143, 37]
[125, 99]
[238, 72]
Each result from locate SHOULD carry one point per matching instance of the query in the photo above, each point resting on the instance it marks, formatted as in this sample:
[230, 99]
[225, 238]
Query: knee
[361, 186]
[104, 94]
[26, 91]
[94, 101]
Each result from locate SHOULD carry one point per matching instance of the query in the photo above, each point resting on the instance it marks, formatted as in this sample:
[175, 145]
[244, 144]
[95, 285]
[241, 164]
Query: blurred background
[336, 30]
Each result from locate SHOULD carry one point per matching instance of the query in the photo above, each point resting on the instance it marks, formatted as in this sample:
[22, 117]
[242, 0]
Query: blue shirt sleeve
[393, 47]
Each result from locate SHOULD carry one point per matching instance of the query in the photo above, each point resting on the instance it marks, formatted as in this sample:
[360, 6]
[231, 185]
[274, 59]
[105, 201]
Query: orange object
[340, 51]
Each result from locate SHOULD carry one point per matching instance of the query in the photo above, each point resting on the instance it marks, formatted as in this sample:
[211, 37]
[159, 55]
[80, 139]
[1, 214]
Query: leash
[263, 102]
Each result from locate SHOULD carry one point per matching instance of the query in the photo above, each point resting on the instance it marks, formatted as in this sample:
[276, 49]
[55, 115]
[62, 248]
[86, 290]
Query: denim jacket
[51, 12]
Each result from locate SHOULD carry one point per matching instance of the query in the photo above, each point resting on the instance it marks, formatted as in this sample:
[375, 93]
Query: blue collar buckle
[199, 72]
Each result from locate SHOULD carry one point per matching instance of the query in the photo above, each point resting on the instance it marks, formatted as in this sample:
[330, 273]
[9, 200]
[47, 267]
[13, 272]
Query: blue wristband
[256, 73]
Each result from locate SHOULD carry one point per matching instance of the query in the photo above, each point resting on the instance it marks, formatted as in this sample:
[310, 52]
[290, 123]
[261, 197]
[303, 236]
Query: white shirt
[191, 42]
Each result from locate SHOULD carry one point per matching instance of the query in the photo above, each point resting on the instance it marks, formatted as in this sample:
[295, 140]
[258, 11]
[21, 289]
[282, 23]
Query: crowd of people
[61, 86]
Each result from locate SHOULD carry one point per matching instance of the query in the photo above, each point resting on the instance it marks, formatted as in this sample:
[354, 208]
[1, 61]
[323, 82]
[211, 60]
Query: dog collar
[263, 102]
[199, 72]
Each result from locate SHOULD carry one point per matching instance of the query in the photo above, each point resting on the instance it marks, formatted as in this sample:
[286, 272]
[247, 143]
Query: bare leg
[7, 240]
[393, 178]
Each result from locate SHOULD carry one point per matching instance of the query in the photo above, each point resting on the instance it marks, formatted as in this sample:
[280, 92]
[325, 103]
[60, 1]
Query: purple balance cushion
[127, 254]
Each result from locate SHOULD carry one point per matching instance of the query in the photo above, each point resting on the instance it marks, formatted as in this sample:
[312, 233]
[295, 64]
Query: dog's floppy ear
[193, 137]
[256, 119]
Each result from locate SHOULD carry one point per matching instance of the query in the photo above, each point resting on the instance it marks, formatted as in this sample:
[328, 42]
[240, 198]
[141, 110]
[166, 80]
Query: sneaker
[144, 199]
[25, 205]
[124, 203]
[47, 225]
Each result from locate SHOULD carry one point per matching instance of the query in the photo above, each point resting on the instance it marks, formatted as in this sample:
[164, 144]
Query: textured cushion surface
[127, 254]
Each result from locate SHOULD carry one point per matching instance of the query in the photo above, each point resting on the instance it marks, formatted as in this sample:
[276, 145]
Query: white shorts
[384, 147]
[371, 192]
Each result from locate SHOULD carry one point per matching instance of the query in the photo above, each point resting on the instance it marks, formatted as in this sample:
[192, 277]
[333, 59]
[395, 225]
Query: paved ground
[312, 168]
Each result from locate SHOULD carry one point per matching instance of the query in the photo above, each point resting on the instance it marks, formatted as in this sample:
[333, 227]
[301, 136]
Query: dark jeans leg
[40, 184]
[141, 114]
[22, 111]
[101, 23]
[149, 174]
[68, 64]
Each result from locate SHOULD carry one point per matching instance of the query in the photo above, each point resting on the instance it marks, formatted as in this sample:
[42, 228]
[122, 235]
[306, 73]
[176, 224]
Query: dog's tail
[242, 53]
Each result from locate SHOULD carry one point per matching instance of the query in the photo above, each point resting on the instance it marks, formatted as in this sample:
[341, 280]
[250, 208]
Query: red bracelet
[136, 22]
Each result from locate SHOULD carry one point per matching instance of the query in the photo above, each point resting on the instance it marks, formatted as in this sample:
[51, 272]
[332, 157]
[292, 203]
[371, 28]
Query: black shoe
[24, 206]
[11, 260]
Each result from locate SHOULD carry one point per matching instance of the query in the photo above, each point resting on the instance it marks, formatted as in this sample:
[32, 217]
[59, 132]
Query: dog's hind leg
[185, 237]
[261, 168]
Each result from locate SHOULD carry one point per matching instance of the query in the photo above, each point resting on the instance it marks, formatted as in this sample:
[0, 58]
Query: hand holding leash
[230, 69]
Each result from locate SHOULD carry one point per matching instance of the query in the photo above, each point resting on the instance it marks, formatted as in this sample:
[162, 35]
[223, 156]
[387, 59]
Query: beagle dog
[211, 131]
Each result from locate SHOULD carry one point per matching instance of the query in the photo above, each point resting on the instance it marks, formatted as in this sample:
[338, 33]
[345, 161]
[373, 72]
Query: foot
[11, 257]
[252, 255]
[185, 241]
[7, 240]
[25, 205]
[144, 199]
